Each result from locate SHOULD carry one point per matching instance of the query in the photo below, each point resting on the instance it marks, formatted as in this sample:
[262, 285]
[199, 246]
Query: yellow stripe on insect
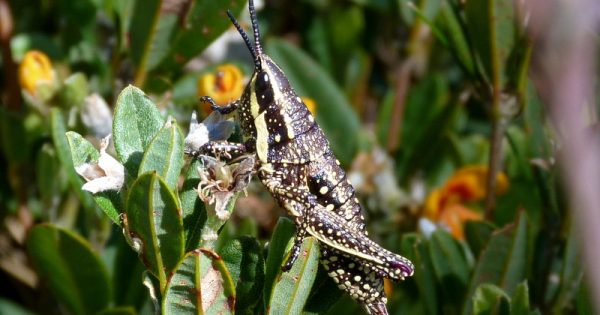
[262, 137]
[341, 248]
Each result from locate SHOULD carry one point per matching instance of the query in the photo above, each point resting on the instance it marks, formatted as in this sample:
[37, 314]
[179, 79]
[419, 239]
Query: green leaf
[291, 289]
[135, 124]
[489, 299]
[63, 150]
[502, 262]
[571, 274]
[520, 300]
[194, 211]
[324, 294]
[154, 220]
[284, 231]
[145, 21]
[72, 270]
[334, 113]
[417, 250]
[244, 260]
[165, 154]
[456, 37]
[491, 24]
[82, 151]
[49, 182]
[450, 267]
[200, 284]
[478, 234]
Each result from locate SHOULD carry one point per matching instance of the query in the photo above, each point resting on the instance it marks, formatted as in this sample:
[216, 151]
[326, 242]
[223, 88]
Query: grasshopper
[297, 166]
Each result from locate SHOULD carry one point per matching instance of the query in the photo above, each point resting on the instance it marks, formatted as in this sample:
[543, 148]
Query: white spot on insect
[277, 138]
[340, 271]
[357, 278]
[298, 99]
[324, 190]
[330, 207]
[337, 162]
[329, 231]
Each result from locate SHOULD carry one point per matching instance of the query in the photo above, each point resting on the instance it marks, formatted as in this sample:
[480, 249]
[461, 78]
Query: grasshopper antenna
[245, 38]
[254, 21]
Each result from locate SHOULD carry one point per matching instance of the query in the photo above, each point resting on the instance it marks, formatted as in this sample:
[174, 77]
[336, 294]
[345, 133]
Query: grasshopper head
[268, 89]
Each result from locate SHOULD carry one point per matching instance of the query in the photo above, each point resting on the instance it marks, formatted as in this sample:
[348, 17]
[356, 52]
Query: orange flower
[311, 104]
[225, 85]
[35, 70]
[446, 205]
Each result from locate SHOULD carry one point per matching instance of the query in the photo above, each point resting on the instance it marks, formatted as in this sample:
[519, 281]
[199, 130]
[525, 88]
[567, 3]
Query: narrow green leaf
[145, 20]
[244, 260]
[63, 150]
[503, 261]
[284, 231]
[456, 37]
[292, 288]
[520, 300]
[324, 294]
[571, 274]
[165, 154]
[154, 219]
[201, 284]
[194, 212]
[488, 299]
[48, 179]
[82, 151]
[69, 266]
[478, 234]
[492, 29]
[417, 250]
[334, 113]
[450, 267]
[135, 124]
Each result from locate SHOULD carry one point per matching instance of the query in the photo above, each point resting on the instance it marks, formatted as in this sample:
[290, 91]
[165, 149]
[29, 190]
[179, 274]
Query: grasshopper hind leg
[350, 275]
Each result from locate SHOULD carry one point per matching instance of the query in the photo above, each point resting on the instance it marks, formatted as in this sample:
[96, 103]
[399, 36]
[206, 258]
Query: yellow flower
[225, 85]
[311, 104]
[35, 70]
[446, 205]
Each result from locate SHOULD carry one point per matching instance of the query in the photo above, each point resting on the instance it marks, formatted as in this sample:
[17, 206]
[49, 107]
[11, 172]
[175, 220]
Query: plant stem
[495, 162]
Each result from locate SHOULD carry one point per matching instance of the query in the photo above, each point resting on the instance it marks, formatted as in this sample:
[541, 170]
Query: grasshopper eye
[262, 82]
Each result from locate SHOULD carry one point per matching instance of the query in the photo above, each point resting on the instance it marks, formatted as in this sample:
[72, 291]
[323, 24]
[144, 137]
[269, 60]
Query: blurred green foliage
[433, 85]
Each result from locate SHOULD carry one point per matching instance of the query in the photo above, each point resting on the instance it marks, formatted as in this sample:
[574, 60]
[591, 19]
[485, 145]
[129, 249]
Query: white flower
[105, 174]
